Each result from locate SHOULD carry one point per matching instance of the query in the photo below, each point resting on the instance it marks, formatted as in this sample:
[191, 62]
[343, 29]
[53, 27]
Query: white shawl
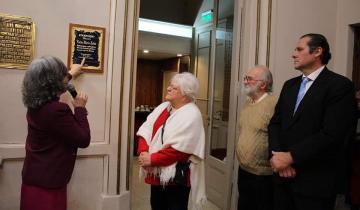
[184, 132]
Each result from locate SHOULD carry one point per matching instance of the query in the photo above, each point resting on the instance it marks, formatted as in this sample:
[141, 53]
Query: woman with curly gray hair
[54, 134]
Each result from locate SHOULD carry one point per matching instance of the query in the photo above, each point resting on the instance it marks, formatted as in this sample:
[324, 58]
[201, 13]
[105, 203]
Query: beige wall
[290, 20]
[52, 22]
[347, 14]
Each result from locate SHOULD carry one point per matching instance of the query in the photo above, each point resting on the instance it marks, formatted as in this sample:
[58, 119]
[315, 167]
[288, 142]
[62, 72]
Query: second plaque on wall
[87, 42]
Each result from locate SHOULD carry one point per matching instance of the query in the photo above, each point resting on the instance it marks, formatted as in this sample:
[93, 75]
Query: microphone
[71, 89]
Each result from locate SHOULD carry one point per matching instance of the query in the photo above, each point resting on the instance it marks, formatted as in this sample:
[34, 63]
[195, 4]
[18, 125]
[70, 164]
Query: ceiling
[172, 11]
[155, 55]
[162, 46]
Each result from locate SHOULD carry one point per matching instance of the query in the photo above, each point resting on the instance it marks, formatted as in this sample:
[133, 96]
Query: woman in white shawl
[171, 148]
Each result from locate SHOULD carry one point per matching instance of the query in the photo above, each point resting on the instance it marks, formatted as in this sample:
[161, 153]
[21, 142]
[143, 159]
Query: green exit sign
[207, 16]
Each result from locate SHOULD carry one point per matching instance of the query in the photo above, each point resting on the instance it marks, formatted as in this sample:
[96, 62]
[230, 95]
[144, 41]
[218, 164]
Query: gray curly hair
[43, 81]
[188, 83]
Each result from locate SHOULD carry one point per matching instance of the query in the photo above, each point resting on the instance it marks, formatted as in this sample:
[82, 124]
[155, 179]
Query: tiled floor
[140, 194]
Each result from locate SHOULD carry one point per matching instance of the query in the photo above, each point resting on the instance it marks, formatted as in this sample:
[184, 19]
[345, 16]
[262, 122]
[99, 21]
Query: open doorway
[207, 53]
[154, 70]
[161, 54]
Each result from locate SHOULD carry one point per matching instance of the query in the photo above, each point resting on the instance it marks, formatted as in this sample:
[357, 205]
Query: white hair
[266, 76]
[188, 84]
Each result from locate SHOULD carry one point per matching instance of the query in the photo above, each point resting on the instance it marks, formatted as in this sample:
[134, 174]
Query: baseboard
[115, 202]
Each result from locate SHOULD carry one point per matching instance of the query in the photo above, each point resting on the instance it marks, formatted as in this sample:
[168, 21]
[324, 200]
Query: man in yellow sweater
[255, 173]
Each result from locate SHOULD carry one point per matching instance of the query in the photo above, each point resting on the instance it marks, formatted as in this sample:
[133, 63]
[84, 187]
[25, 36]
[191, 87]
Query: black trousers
[286, 199]
[171, 197]
[255, 192]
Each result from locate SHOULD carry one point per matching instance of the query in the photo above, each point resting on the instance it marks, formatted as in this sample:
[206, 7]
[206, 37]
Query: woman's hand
[76, 68]
[80, 100]
[144, 159]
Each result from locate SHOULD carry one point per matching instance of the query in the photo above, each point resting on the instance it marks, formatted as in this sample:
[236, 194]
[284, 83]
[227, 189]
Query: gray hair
[188, 83]
[267, 77]
[43, 81]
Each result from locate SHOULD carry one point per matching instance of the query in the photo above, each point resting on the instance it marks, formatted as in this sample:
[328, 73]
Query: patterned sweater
[252, 148]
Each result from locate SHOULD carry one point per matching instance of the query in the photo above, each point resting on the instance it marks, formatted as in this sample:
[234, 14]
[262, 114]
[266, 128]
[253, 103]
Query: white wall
[347, 14]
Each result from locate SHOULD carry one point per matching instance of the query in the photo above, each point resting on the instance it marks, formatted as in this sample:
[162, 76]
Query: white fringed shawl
[184, 132]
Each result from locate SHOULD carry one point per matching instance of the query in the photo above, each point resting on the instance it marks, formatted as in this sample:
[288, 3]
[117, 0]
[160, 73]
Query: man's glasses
[250, 79]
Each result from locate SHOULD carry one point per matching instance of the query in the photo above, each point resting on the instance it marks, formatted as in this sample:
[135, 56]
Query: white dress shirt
[312, 77]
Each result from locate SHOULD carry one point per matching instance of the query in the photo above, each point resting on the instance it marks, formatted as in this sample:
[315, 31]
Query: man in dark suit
[314, 120]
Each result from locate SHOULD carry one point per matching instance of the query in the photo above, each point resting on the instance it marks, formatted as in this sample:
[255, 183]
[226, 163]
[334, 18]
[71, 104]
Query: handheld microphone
[71, 89]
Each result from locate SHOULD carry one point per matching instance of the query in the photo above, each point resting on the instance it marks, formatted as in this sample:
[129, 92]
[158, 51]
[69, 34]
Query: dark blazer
[54, 134]
[318, 134]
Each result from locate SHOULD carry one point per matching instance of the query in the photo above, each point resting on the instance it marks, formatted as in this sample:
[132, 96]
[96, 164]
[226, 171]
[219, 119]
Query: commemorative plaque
[17, 40]
[86, 42]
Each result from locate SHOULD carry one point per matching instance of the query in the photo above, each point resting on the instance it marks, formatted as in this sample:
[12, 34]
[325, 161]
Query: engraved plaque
[87, 42]
[17, 40]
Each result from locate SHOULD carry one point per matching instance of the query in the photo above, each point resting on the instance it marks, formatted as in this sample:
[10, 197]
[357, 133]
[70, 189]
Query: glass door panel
[222, 77]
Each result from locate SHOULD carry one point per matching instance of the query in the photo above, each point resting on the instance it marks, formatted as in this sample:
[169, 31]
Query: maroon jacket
[54, 134]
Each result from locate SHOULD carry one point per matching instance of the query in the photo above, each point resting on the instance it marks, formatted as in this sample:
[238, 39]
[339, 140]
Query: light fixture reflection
[165, 28]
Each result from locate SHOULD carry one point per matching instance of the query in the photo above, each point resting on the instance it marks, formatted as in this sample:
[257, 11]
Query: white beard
[251, 90]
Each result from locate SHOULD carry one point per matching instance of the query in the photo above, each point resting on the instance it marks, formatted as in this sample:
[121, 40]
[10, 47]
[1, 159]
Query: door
[214, 70]
[221, 128]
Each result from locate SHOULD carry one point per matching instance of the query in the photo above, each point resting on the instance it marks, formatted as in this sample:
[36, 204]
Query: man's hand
[281, 161]
[288, 172]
